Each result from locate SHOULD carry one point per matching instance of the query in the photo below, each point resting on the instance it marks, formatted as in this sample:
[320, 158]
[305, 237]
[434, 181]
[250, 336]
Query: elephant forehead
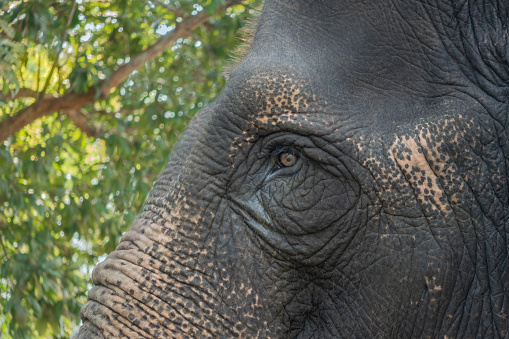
[275, 95]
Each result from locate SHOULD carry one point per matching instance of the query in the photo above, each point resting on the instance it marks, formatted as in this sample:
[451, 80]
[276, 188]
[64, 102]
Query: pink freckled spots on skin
[415, 158]
[263, 119]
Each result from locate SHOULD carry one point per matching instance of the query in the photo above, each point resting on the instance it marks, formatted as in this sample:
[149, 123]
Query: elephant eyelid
[282, 149]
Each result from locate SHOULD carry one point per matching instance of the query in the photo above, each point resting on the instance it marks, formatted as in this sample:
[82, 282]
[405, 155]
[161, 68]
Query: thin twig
[60, 47]
[80, 120]
[22, 93]
[103, 112]
[2, 242]
[177, 11]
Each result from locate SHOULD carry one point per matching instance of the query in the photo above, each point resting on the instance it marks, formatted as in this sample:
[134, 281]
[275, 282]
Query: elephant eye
[287, 159]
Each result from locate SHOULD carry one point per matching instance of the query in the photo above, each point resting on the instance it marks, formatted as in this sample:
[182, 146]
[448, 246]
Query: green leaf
[34, 304]
[214, 5]
[65, 198]
[13, 300]
[7, 30]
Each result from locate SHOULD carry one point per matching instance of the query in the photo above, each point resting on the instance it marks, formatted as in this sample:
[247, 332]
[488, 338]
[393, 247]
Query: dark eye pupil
[287, 159]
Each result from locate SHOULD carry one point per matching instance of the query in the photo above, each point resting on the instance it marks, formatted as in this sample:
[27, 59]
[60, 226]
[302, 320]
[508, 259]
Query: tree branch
[181, 30]
[73, 101]
[43, 107]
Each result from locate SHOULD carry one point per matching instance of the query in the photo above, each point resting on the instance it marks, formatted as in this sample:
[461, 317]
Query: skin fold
[351, 181]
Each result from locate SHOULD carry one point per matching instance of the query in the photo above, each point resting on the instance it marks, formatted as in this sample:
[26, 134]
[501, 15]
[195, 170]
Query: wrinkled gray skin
[393, 220]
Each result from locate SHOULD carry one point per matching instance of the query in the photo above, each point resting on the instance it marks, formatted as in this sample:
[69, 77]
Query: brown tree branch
[181, 30]
[73, 101]
[43, 107]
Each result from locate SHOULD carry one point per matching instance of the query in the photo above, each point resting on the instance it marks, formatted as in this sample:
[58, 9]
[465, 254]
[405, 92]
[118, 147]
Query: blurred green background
[85, 130]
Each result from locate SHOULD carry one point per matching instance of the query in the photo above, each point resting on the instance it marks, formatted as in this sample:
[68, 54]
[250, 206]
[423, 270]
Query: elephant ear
[483, 29]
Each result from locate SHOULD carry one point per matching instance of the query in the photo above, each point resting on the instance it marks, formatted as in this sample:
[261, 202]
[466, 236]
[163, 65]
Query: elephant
[350, 181]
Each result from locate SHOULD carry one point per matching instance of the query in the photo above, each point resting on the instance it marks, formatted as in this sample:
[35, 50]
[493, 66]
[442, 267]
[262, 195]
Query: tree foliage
[93, 95]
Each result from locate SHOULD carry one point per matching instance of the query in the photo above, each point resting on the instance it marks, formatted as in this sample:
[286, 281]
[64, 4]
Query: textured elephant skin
[351, 181]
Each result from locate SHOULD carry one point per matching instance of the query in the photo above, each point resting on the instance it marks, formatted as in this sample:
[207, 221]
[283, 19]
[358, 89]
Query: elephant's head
[350, 181]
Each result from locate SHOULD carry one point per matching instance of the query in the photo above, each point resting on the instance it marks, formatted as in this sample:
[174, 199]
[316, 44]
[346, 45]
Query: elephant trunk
[172, 274]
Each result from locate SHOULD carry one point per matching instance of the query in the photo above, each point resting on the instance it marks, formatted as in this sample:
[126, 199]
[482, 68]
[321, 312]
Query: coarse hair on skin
[246, 36]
